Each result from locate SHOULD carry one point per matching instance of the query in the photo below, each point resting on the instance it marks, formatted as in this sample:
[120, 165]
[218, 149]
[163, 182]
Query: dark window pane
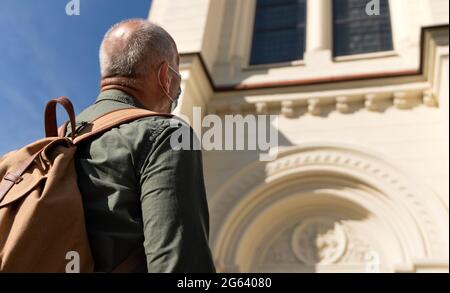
[279, 17]
[355, 32]
[279, 31]
[277, 46]
[263, 3]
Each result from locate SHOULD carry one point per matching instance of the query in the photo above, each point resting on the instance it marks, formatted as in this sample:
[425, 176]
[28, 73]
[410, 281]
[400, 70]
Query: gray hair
[147, 45]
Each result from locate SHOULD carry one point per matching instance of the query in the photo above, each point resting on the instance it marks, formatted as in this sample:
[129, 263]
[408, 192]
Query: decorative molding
[314, 106]
[429, 98]
[278, 250]
[371, 101]
[343, 104]
[261, 108]
[287, 109]
[346, 245]
[319, 240]
[383, 174]
[402, 100]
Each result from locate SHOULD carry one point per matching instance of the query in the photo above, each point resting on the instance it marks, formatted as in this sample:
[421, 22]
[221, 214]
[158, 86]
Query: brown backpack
[42, 226]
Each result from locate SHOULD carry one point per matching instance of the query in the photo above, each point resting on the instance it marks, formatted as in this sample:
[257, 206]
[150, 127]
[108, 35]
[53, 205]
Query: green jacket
[138, 191]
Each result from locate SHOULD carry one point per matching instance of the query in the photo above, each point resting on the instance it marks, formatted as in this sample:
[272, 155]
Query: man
[137, 191]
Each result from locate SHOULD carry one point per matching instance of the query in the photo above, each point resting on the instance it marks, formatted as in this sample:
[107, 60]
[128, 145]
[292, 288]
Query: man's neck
[131, 86]
[127, 85]
[134, 87]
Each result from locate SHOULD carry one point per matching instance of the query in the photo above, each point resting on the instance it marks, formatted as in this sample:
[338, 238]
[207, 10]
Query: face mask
[174, 101]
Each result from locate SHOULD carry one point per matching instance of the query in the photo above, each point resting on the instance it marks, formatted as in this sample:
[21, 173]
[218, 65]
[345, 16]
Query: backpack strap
[14, 177]
[111, 120]
[51, 129]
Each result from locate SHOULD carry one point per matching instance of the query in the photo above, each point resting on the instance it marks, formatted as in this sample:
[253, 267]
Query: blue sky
[44, 54]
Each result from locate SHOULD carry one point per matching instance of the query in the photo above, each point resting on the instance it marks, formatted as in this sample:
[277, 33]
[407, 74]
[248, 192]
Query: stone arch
[342, 187]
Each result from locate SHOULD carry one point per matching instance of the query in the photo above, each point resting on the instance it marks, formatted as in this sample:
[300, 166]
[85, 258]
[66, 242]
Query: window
[355, 32]
[279, 31]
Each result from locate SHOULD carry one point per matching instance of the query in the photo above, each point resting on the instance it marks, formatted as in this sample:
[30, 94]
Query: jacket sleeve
[174, 209]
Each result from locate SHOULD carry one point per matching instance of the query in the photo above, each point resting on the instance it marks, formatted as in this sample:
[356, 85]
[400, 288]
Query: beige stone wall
[363, 164]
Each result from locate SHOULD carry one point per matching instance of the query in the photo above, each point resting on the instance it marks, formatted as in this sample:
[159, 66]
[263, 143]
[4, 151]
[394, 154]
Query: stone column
[319, 21]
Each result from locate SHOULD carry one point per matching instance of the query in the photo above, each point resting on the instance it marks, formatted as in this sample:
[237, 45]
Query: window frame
[296, 62]
[369, 55]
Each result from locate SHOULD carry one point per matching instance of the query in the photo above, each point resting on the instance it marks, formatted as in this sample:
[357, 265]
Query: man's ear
[164, 77]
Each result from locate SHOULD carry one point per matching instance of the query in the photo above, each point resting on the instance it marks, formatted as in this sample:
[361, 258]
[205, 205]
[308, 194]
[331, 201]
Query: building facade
[360, 89]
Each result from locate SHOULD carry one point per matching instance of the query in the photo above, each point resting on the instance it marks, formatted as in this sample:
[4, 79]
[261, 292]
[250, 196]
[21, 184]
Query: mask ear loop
[164, 90]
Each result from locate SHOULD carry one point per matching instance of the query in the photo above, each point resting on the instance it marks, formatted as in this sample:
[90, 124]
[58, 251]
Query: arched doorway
[325, 208]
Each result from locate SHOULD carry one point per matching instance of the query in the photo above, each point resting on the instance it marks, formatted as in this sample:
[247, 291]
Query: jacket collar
[118, 96]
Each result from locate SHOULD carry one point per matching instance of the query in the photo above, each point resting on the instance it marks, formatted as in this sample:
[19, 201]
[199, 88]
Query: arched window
[356, 32]
[279, 31]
